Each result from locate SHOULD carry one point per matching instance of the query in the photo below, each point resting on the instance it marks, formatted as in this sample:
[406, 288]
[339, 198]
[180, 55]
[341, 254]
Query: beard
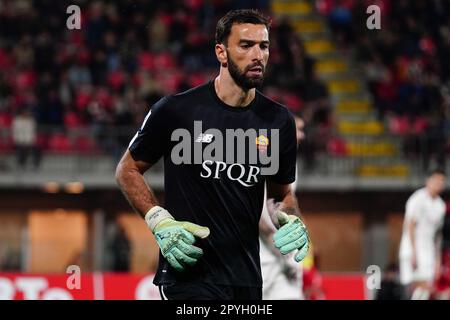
[240, 77]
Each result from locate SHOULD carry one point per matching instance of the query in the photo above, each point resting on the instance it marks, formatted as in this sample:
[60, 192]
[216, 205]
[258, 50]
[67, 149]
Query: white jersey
[429, 215]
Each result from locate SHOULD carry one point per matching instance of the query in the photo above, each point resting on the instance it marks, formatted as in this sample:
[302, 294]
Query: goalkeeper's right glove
[175, 238]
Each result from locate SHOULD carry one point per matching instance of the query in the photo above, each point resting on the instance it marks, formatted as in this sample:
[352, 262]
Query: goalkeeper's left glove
[291, 235]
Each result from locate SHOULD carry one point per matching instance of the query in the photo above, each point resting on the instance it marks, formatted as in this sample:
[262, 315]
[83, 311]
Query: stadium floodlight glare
[75, 187]
[51, 187]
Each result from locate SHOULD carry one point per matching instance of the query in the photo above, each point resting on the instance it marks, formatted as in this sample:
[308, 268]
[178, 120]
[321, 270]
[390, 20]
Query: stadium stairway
[366, 140]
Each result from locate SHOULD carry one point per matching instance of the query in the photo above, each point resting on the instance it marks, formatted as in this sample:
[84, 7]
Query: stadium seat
[317, 47]
[294, 7]
[337, 147]
[383, 171]
[84, 144]
[146, 61]
[116, 79]
[164, 61]
[293, 102]
[5, 120]
[25, 80]
[371, 149]
[6, 144]
[82, 100]
[330, 66]
[5, 59]
[420, 124]
[59, 143]
[360, 128]
[309, 26]
[343, 86]
[353, 106]
[42, 141]
[196, 79]
[399, 125]
[72, 120]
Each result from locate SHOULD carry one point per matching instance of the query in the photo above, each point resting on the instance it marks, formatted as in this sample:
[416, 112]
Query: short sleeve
[151, 141]
[288, 153]
[413, 208]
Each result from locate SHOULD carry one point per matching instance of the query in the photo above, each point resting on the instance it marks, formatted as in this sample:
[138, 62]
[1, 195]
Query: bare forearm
[136, 190]
[290, 205]
[283, 195]
[266, 233]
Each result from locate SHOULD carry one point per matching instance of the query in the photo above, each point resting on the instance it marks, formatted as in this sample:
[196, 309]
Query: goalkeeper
[207, 230]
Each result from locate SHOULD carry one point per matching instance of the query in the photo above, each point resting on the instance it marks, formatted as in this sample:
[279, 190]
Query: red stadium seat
[293, 102]
[337, 147]
[5, 59]
[5, 120]
[82, 100]
[84, 144]
[165, 61]
[42, 141]
[59, 143]
[196, 79]
[399, 125]
[6, 145]
[25, 80]
[146, 61]
[116, 79]
[420, 124]
[104, 98]
[72, 120]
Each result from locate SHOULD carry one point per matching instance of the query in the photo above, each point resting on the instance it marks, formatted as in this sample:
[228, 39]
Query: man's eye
[264, 46]
[245, 46]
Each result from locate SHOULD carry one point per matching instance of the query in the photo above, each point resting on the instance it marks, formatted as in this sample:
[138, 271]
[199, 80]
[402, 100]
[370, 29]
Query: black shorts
[207, 291]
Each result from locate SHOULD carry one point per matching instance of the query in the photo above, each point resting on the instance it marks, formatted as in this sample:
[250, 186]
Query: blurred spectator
[11, 260]
[421, 242]
[24, 133]
[435, 140]
[390, 288]
[340, 19]
[121, 250]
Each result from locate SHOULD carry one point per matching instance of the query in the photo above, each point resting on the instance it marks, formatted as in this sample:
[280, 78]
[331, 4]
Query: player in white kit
[420, 246]
[282, 276]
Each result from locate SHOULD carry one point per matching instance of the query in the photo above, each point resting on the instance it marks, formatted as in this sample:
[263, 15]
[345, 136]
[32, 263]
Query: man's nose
[257, 53]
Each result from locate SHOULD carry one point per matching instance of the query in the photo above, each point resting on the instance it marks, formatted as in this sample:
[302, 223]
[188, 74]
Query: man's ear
[221, 54]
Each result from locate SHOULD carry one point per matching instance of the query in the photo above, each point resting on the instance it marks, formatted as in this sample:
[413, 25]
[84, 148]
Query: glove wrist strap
[155, 215]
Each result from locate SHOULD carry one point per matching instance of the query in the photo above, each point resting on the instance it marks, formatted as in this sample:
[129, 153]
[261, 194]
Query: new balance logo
[204, 137]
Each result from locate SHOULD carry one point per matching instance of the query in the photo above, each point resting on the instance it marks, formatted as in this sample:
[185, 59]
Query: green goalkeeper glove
[175, 238]
[291, 235]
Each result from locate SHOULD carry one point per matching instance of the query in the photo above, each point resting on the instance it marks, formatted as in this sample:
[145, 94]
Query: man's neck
[432, 194]
[230, 93]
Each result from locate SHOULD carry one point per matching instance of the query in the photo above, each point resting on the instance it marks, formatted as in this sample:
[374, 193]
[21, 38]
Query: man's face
[247, 54]
[436, 183]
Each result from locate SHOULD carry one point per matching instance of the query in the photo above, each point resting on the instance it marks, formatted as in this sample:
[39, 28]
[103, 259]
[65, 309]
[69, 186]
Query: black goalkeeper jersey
[227, 197]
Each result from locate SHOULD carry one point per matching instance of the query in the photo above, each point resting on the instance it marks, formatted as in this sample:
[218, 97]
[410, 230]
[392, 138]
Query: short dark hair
[436, 171]
[225, 23]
